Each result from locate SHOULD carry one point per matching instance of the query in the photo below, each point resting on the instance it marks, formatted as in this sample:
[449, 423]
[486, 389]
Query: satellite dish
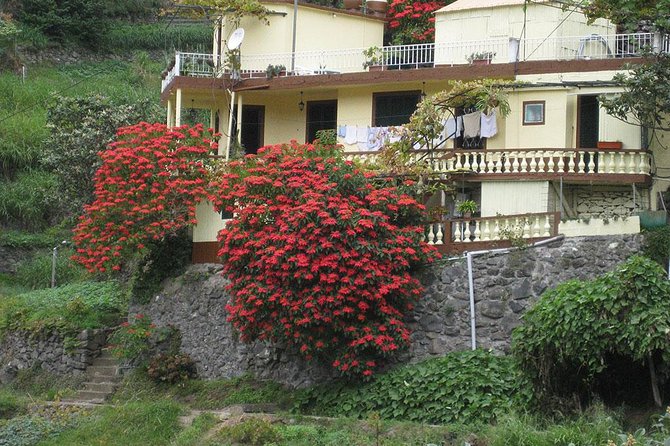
[236, 39]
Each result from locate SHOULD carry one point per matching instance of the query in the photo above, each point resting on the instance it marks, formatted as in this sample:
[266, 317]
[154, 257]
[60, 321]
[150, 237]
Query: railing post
[177, 64]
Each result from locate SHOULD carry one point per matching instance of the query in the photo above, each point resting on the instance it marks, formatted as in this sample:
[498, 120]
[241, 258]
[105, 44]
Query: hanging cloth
[350, 135]
[472, 124]
[489, 127]
[341, 131]
[449, 131]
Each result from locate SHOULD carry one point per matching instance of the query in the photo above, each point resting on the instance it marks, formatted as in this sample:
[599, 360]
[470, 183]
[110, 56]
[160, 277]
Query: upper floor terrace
[408, 57]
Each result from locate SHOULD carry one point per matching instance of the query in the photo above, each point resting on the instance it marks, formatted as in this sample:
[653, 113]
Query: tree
[645, 100]
[630, 14]
[319, 256]
[79, 128]
[412, 21]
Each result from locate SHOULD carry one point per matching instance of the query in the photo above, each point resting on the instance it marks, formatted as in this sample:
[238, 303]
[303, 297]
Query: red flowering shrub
[149, 183]
[413, 21]
[319, 257]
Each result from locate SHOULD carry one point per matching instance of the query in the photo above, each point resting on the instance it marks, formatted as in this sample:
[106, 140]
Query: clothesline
[471, 125]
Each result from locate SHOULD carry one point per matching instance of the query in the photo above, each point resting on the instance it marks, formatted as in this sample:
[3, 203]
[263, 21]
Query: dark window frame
[309, 105]
[544, 112]
[416, 93]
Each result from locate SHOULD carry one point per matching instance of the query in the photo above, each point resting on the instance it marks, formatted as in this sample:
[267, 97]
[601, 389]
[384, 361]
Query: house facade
[557, 164]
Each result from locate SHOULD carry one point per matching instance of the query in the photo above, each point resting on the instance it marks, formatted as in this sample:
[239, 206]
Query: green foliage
[192, 435]
[171, 369]
[27, 431]
[80, 127]
[629, 13]
[658, 435]
[470, 386]
[26, 201]
[163, 259]
[81, 21]
[252, 432]
[11, 403]
[148, 424]
[132, 339]
[36, 383]
[646, 94]
[67, 309]
[36, 272]
[566, 336]
[124, 37]
[657, 245]
[327, 137]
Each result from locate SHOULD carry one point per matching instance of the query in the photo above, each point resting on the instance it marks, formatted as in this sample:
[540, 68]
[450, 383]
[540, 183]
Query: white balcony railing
[503, 50]
[492, 229]
[592, 162]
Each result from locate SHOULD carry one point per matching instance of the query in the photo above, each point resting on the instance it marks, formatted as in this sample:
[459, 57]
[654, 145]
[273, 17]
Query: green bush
[165, 258]
[657, 245]
[252, 432]
[467, 387]
[67, 309]
[171, 369]
[36, 272]
[568, 335]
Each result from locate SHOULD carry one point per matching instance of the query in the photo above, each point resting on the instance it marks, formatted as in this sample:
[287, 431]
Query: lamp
[423, 90]
[301, 104]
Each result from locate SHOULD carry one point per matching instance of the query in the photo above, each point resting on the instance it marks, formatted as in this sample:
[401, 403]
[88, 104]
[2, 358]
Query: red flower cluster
[412, 21]
[318, 257]
[148, 186]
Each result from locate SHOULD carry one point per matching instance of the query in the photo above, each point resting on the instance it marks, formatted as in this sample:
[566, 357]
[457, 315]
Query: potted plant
[274, 70]
[481, 58]
[466, 208]
[373, 58]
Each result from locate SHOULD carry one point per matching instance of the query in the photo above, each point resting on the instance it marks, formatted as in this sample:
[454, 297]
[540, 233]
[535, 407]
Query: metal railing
[501, 50]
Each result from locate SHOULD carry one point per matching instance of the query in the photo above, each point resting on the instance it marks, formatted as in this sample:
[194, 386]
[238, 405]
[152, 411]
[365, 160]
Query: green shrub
[132, 339]
[164, 258]
[252, 432]
[192, 435]
[36, 272]
[567, 336]
[67, 309]
[468, 387]
[657, 245]
[171, 369]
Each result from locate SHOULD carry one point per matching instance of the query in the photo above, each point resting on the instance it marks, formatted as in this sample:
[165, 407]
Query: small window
[533, 113]
[389, 109]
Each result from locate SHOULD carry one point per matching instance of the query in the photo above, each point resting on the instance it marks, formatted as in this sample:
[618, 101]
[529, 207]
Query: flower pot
[652, 219]
[610, 145]
[377, 7]
[481, 62]
[352, 4]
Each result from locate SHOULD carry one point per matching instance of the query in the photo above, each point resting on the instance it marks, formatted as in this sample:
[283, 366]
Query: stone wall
[605, 203]
[23, 350]
[504, 284]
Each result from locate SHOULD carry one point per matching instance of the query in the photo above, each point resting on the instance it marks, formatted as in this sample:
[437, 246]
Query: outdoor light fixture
[301, 104]
[423, 91]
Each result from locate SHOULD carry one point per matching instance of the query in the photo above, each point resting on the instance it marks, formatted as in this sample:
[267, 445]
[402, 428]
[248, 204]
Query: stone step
[104, 379]
[102, 370]
[107, 387]
[89, 395]
[105, 361]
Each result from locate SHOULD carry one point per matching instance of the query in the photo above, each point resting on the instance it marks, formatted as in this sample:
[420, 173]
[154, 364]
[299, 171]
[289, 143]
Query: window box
[610, 145]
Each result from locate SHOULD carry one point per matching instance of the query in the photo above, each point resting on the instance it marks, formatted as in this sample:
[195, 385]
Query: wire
[555, 28]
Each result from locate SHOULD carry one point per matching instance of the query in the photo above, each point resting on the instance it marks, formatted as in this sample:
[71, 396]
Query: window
[533, 113]
[390, 109]
[321, 115]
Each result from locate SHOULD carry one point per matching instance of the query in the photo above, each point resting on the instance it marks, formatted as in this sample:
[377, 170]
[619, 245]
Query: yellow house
[558, 164]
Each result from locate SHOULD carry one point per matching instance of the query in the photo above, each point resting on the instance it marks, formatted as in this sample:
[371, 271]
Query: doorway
[253, 124]
[588, 112]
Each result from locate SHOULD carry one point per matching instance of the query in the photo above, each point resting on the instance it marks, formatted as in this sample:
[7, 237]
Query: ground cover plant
[465, 387]
[319, 255]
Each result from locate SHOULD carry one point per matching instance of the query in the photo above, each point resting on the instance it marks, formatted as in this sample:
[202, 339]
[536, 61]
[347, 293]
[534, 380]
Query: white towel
[488, 125]
[362, 134]
[449, 131]
[350, 135]
[472, 124]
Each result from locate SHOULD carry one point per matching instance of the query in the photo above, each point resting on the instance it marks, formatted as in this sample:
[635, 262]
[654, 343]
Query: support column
[239, 119]
[230, 125]
[222, 140]
[170, 114]
[177, 115]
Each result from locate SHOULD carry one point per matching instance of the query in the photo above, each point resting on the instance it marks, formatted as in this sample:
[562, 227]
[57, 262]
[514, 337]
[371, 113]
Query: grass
[201, 394]
[135, 423]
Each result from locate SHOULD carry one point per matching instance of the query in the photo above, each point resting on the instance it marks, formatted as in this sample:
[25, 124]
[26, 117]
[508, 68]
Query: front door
[587, 122]
[253, 124]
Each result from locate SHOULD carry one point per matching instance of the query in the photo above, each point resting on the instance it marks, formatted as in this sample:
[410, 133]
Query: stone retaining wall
[23, 350]
[505, 286]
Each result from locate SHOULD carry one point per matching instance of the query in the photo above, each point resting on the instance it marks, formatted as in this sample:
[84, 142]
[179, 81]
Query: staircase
[102, 379]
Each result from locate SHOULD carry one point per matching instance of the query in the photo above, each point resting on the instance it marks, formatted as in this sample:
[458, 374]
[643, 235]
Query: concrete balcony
[397, 57]
[578, 165]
